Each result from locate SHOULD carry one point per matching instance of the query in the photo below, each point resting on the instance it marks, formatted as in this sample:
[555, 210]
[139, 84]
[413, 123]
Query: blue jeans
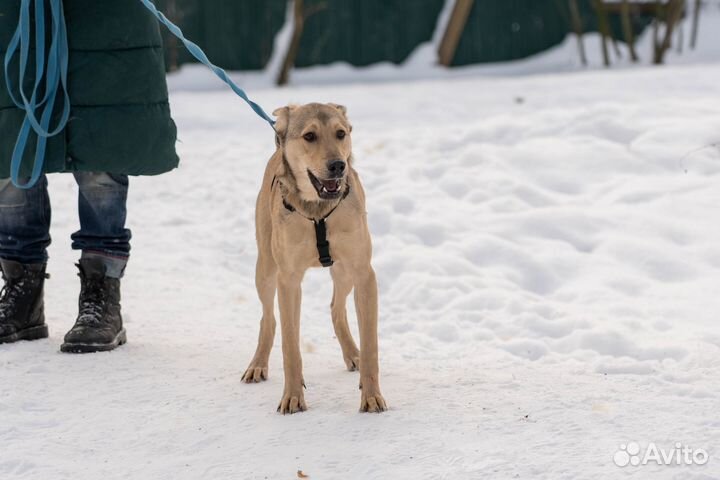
[25, 221]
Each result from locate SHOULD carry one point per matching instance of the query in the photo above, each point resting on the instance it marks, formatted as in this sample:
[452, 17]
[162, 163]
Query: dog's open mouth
[326, 189]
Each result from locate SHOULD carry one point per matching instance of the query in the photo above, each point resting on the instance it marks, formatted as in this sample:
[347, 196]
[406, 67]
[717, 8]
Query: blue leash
[56, 78]
[200, 55]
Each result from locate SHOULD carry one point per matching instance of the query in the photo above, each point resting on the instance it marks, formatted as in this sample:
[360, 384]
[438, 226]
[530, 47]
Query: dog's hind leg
[266, 284]
[342, 285]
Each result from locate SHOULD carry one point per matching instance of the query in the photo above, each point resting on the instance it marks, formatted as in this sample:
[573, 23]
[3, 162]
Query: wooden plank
[627, 30]
[672, 17]
[604, 27]
[643, 8]
[695, 24]
[577, 27]
[454, 31]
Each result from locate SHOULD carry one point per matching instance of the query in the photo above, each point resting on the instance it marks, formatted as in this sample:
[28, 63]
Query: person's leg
[24, 222]
[102, 205]
[24, 238]
[105, 245]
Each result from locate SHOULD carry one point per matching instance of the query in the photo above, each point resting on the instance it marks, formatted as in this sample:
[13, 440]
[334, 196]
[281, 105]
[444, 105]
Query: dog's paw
[372, 402]
[352, 361]
[292, 402]
[255, 373]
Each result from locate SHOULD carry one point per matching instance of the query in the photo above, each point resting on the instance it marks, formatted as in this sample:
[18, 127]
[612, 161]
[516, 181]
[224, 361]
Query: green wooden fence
[501, 30]
[239, 34]
[362, 32]
[236, 34]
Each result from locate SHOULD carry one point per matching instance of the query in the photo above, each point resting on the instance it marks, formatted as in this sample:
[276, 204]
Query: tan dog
[310, 190]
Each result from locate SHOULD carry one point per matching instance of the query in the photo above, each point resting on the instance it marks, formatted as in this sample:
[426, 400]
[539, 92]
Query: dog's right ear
[281, 124]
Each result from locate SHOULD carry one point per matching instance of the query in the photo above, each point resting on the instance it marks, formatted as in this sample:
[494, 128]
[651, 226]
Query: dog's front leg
[289, 298]
[366, 304]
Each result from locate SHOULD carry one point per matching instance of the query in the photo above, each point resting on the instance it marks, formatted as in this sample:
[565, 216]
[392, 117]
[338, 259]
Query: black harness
[323, 246]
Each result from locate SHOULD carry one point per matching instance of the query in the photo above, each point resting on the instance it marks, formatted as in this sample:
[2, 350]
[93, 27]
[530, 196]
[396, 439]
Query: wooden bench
[669, 12]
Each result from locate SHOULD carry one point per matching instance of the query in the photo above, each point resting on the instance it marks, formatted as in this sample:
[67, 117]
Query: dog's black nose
[336, 167]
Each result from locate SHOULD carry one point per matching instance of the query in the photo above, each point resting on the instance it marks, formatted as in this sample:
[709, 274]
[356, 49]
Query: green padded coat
[120, 119]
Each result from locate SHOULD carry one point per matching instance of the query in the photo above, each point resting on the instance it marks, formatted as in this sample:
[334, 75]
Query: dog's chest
[295, 241]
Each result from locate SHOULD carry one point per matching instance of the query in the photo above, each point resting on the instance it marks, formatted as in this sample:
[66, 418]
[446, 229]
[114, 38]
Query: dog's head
[316, 145]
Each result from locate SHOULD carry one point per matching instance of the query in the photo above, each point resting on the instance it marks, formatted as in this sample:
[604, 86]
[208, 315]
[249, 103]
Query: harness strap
[323, 246]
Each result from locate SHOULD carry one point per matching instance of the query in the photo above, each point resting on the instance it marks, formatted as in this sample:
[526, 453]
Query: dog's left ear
[340, 108]
[281, 124]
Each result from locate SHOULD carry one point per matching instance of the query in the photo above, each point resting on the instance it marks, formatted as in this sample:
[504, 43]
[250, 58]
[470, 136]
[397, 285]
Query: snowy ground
[548, 252]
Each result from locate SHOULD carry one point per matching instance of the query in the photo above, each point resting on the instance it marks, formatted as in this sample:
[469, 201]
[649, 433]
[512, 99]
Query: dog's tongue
[331, 185]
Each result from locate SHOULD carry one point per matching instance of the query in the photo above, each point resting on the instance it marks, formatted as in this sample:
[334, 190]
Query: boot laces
[92, 303]
[9, 294]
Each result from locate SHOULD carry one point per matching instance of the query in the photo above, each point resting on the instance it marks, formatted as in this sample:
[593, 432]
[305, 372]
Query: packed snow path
[548, 254]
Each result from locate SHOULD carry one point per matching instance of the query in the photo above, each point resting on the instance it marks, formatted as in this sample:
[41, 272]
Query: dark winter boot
[22, 311]
[99, 325]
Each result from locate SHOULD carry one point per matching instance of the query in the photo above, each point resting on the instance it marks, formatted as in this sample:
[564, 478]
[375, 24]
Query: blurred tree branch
[300, 15]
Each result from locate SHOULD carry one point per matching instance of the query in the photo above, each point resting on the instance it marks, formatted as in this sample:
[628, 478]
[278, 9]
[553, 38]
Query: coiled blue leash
[56, 78]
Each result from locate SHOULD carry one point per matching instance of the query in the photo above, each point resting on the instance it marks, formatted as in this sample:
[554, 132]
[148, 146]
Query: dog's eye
[310, 137]
[341, 134]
